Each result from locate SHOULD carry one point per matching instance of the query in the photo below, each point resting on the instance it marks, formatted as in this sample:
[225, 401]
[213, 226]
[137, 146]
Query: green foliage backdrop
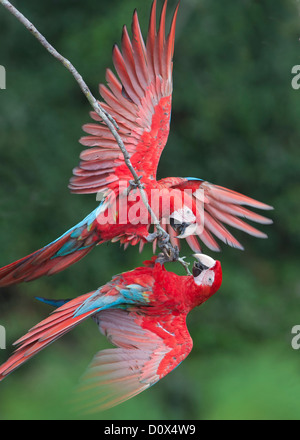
[235, 122]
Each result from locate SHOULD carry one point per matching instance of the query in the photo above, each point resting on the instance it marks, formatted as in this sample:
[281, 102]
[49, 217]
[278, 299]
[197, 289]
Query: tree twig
[162, 236]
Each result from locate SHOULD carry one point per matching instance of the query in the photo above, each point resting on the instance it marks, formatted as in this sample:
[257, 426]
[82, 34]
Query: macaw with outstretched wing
[143, 313]
[139, 99]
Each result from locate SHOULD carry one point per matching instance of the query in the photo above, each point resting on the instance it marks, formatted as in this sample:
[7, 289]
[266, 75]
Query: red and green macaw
[143, 313]
[140, 102]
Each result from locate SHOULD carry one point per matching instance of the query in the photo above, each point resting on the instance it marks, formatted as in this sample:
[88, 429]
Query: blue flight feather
[132, 294]
[53, 302]
[72, 245]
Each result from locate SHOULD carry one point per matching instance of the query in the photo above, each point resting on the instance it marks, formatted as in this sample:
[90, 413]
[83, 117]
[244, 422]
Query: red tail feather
[57, 324]
[48, 260]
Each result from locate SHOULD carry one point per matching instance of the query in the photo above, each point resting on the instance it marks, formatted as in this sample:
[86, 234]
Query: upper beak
[205, 260]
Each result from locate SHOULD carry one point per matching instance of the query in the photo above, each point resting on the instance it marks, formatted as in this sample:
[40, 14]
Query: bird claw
[168, 254]
[171, 253]
[162, 236]
[164, 240]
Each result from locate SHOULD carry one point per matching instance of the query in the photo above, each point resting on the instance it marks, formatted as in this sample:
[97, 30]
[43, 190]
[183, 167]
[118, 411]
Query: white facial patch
[206, 278]
[183, 215]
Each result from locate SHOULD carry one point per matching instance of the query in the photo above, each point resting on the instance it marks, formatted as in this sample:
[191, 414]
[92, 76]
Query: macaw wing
[216, 207]
[148, 349]
[70, 313]
[140, 103]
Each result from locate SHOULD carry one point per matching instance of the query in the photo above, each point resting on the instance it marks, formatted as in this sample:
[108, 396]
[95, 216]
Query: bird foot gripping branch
[172, 254]
[161, 235]
[169, 252]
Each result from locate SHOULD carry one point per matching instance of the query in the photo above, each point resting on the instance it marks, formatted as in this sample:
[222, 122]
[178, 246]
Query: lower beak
[188, 230]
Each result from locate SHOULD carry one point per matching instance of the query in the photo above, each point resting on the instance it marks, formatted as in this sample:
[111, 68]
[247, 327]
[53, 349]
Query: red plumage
[143, 313]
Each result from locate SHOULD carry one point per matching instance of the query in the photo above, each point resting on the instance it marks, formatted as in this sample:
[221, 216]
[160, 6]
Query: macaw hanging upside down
[143, 313]
[140, 103]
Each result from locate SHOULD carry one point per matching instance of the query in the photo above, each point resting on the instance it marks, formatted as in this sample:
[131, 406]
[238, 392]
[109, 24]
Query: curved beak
[205, 261]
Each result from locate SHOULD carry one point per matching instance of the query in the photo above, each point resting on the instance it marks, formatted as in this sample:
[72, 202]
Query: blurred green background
[235, 122]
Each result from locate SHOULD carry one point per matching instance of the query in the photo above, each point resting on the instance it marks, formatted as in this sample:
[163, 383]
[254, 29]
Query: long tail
[56, 256]
[61, 321]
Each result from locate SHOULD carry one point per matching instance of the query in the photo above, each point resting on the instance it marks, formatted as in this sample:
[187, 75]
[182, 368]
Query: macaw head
[207, 277]
[184, 222]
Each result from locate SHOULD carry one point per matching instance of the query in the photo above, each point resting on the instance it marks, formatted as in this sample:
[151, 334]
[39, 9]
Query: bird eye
[210, 279]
